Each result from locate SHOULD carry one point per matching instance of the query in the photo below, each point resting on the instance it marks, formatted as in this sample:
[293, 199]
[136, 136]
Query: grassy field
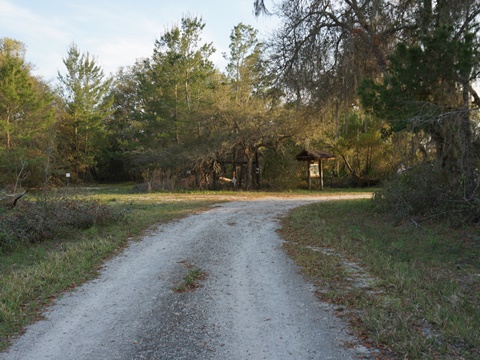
[411, 289]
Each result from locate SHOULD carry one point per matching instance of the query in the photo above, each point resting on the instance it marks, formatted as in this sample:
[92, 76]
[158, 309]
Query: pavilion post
[320, 165]
[309, 176]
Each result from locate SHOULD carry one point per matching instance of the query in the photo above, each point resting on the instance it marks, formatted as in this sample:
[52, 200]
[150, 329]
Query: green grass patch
[191, 280]
[419, 296]
[33, 274]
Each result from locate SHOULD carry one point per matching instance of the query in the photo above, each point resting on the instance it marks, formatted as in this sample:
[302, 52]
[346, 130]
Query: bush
[157, 180]
[426, 193]
[50, 217]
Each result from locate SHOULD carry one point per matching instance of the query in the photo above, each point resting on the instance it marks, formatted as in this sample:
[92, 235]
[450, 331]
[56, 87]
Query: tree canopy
[84, 91]
[26, 118]
[384, 85]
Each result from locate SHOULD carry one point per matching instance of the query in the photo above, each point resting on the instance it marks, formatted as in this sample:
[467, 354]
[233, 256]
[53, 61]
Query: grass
[34, 274]
[412, 290]
[191, 280]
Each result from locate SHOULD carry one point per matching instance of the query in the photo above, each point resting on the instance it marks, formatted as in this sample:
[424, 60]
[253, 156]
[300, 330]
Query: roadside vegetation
[50, 244]
[411, 289]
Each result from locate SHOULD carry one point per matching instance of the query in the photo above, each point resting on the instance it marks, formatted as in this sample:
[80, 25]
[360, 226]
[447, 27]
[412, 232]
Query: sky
[116, 32]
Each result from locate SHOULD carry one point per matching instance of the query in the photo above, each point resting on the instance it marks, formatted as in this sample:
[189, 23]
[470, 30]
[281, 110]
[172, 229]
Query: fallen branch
[6, 202]
[221, 178]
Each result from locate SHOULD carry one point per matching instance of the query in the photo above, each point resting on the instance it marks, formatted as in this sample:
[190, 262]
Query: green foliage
[84, 90]
[26, 119]
[427, 92]
[177, 77]
[359, 142]
[245, 68]
[176, 113]
[164, 106]
[422, 83]
[280, 170]
[191, 279]
[126, 133]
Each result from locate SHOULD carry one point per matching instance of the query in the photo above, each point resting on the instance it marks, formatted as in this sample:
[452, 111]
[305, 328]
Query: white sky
[116, 32]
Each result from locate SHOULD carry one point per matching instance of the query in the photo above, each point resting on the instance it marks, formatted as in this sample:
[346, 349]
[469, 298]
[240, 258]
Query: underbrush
[411, 290]
[426, 193]
[47, 218]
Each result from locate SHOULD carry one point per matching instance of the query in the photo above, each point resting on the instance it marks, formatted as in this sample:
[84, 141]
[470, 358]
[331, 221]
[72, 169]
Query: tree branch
[260, 8]
[16, 197]
[473, 92]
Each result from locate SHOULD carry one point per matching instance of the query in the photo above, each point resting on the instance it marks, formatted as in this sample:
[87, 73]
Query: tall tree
[124, 131]
[17, 90]
[253, 113]
[179, 70]
[429, 86]
[26, 117]
[163, 104]
[84, 89]
[325, 47]
[244, 62]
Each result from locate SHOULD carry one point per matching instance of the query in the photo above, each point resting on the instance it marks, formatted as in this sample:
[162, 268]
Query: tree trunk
[466, 142]
[175, 116]
[9, 137]
[234, 168]
[248, 182]
[257, 169]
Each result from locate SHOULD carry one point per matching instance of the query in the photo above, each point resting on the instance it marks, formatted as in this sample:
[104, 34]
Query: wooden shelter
[314, 159]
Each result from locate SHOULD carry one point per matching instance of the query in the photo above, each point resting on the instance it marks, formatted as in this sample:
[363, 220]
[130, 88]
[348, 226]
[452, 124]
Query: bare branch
[11, 204]
[473, 92]
[260, 8]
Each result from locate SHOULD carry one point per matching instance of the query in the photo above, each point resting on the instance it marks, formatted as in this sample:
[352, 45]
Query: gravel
[252, 304]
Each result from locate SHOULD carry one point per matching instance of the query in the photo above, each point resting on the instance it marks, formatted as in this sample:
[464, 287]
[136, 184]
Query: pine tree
[84, 89]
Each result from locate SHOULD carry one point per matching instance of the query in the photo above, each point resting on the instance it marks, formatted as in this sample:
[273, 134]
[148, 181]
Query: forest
[387, 87]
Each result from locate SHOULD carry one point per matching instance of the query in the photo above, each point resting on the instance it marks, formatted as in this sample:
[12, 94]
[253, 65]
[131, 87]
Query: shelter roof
[306, 155]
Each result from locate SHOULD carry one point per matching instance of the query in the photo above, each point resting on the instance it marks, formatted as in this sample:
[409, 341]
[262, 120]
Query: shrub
[158, 180]
[50, 217]
[425, 192]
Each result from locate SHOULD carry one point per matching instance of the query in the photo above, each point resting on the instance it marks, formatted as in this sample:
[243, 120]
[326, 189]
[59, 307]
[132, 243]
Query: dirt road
[253, 303]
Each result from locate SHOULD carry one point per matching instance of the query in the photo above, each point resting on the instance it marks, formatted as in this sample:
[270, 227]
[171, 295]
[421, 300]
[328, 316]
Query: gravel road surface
[253, 302]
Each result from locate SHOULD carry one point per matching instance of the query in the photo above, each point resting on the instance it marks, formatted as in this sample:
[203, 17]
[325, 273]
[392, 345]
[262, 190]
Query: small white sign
[68, 175]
